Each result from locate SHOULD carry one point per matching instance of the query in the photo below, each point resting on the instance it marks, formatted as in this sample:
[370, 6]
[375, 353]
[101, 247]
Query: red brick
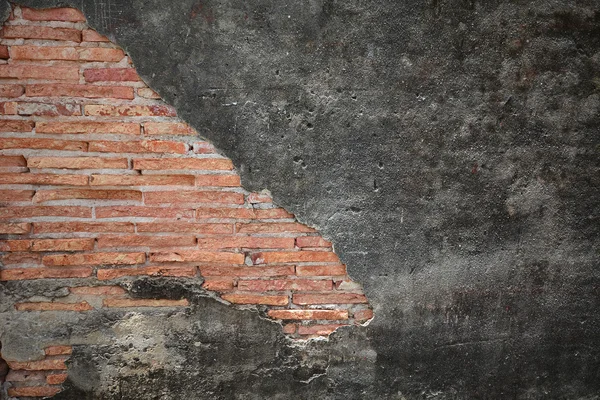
[87, 91]
[141, 180]
[94, 259]
[321, 270]
[363, 315]
[122, 303]
[15, 228]
[104, 110]
[218, 285]
[218, 180]
[294, 256]
[182, 196]
[107, 274]
[153, 212]
[113, 241]
[67, 227]
[279, 285]
[20, 71]
[43, 179]
[312, 241]
[329, 298]
[87, 194]
[272, 213]
[168, 128]
[143, 146]
[49, 306]
[42, 365]
[58, 350]
[77, 163]
[4, 55]
[247, 242]
[45, 211]
[123, 128]
[215, 270]
[53, 14]
[48, 110]
[12, 161]
[56, 379]
[15, 126]
[254, 198]
[11, 90]
[15, 245]
[309, 314]
[33, 391]
[111, 75]
[90, 35]
[205, 164]
[50, 144]
[270, 300]
[233, 213]
[65, 53]
[319, 330]
[289, 328]
[197, 256]
[184, 227]
[97, 290]
[147, 93]
[273, 227]
[8, 108]
[62, 244]
[14, 274]
[41, 32]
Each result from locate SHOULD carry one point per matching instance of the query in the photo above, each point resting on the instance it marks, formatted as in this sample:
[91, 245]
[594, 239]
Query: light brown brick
[122, 128]
[33, 391]
[15, 126]
[11, 90]
[189, 196]
[312, 241]
[329, 298]
[77, 163]
[45, 211]
[232, 213]
[15, 245]
[43, 179]
[67, 227]
[141, 180]
[54, 306]
[110, 75]
[40, 32]
[24, 71]
[90, 35]
[363, 315]
[272, 213]
[272, 227]
[218, 180]
[8, 108]
[12, 161]
[65, 53]
[254, 198]
[123, 303]
[48, 110]
[204, 164]
[25, 376]
[274, 257]
[114, 241]
[320, 270]
[184, 227]
[147, 93]
[20, 258]
[72, 90]
[74, 244]
[143, 146]
[318, 330]
[279, 285]
[98, 290]
[153, 212]
[168, 128]
[14, 274]
[114, 273]
[53, 14]
[94, 259]
[37, 143]
[197, 256]
[226, 270]
[272, 300]
[58, 350]
[15, 228]
[309, 314]
[247, 242]
[105, 110]
[87, 194]
[42, 365]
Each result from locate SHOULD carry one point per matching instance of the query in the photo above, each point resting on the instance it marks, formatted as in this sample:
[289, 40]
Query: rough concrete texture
[449, 149]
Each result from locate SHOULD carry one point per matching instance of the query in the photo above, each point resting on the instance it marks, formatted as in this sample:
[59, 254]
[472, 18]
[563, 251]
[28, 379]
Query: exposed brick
[87, 91]
[12, 161]
[43, 179]
[56, 379]
[123, 128]
[41, 32]
[65, 53]
[48, 110]
[204, 164]
[147, 93]
[23, 71]
[49, 306]
[77, 163]
[94, 259]
[329, 298]
[53, 14]
[87, 194]
[45, 211]
[42, 365]
[218, 285]
[226, 270]
[279, 285]
[110, 75]
[104, 110]
[90, 35]
[15, 245]
[272, 300]
[25, 376]
[113, 241]
[248, 242]
[33, 391]
[15, 126]
[233, 213]
[11, 90]
[97, 290]
[21, 259]
[141, 180]
[309, 314]
[203, 148]
[4, 55]
[254, 198]
[197, 256]
[168, 128]
[14, 274]
[58, 350]
[272, 213]
[348, 285]
[320, 270]
[312, 241]
[67, 227]
[37, 143]
[114, 273]
[62, 244]
[218, 180]
[289, 328]
[319, 330]
[153, 212]
[8, 108]
[168, 197]
[15, 228]
[273, 227]
[143, 146]
[184, 227]
[294, 256]
[121, 303]
[363, 315]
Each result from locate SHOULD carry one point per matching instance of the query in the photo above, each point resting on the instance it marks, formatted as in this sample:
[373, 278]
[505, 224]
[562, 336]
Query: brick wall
[100, 181]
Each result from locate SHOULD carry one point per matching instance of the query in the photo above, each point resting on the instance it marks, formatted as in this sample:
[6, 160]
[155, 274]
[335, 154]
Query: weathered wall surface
[450, 152]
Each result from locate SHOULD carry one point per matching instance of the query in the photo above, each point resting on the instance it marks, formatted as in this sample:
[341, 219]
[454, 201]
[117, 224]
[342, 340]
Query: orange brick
[49, 306]
[168, 197]
[110, 75]
[90, 35]
[247, 242]
[94, 259]
[11, 90]
[56, 379]
[147, 93]
[40, 32]
[104, 110]
[48, 110]
[218, 180]
[15, 274]
[145, 241]
[50, 144]
[16, 126]
[67, 227]
[271, 300]
[218, 285]
[215, 270]
[15, 245]
[279, 285]
[272, 213]
[184, 227]
[12, 161]
[153, 212]
[87, 91]
[363, 315]
[143, 146]
[122, 128]
[20, 258]
[319, 330]
[53, 14]
[294, 256]
[321, 270]
[45, 211]
[33, 391]
[141, 180]
[62, 244]
[107, 274]
[97, 290]
[312, 241]
[122, 303]
[43, 179]
[77, 163]
[168, 128]
[17, 71]
[254, 198]
[87, 194]
[197, 256]
[42, 365]
[329, 298]
[58, 350]
[205, 164]
[15, 228]
[233, 213]
[309, 314]
[273, 227]
[66, 53]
